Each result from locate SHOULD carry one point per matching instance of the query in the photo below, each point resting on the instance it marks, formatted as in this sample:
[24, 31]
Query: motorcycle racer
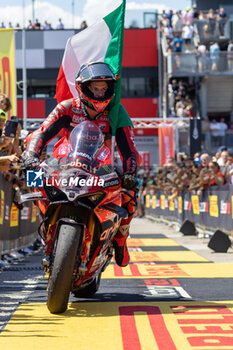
[95, 86]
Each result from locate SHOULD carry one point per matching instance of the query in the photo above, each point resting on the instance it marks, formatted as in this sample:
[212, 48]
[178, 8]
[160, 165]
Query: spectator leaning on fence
[222, 18]
[230, 55]
[188, 175]
[60, 24]
[5, 106]
[214, 55]
[228, 172]
[30, 25]
[36, 25]
[188, 35]
[201, 56]
[177, 24]
[205, 159]
[7, 149]
[5, 103]
[222, 131]
[83, 25]
[216, 178]
[214, 132]
[222, 161]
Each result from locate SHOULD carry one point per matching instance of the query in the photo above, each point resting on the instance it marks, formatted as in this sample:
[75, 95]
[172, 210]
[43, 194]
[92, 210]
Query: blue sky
[90, 10]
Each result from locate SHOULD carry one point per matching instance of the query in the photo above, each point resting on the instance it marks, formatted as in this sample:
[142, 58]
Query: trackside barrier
[212, 210]
[17, 227]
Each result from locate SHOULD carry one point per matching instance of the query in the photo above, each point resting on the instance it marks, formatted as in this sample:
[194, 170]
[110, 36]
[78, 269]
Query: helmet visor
[95, 71]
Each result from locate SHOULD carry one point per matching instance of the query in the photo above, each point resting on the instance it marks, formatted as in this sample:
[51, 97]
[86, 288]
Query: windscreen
[86, 139]
[85, 151]
[82, 161]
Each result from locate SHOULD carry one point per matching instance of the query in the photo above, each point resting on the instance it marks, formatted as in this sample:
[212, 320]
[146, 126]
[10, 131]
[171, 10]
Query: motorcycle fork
[53, 221]
[50, 234]
[87, 241]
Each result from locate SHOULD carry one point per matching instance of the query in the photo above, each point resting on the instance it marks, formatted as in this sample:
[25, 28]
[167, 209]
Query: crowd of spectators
[208, 56]
[186, 174]
[38, 26]
[183, 98]
[215, 133]
[179, 27]
[11, 150]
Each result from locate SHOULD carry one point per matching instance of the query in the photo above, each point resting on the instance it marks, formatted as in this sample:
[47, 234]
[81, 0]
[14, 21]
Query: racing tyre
[89, 290]
[62, 273]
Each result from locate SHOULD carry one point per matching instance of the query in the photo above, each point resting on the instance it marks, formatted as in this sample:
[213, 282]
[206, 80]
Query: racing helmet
[86, 138]
[97, 71]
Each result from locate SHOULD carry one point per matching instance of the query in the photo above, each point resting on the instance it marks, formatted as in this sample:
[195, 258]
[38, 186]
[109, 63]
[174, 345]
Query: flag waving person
[89, 88]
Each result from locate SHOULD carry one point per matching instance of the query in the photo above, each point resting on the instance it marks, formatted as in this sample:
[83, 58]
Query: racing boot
[120, 245]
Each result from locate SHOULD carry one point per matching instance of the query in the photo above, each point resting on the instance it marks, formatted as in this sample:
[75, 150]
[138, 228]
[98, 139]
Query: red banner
[146, 160]
[166, 144]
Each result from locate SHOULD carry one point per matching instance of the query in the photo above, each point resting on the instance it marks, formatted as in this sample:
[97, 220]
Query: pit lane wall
[213, 209]
[17, 227]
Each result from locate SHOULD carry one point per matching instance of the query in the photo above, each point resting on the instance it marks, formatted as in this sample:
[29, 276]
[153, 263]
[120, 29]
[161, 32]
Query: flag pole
[113, 150]
[72, 9]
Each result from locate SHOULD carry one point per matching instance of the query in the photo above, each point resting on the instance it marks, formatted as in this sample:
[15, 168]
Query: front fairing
[78, 168]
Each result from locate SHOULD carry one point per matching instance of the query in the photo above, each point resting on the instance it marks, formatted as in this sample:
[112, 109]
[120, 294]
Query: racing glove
[31, 163]
[129, 182]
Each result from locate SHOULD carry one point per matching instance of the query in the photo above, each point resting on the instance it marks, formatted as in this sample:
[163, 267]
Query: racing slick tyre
[63, 267]
[89, 290]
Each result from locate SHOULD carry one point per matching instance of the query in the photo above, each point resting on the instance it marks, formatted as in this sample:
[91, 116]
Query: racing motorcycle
[80, 211]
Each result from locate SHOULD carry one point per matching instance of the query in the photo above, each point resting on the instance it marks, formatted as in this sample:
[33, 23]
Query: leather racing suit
[70, 113]
[61, 121]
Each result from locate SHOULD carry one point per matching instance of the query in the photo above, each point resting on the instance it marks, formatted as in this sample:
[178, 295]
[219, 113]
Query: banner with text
[7, 67]
[15, 223]
[166, 144]
[214, 208]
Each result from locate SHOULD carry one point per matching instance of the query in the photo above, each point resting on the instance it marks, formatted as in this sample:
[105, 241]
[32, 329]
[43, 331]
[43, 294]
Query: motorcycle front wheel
[63, 267]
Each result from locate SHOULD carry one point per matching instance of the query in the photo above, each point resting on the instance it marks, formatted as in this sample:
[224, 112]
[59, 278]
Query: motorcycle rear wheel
[62, 273]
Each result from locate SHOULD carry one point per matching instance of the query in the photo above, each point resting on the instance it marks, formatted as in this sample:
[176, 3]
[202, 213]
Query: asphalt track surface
[175, 294]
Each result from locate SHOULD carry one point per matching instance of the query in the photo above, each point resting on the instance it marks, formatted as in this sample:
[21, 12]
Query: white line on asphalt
[17, 286]
[166, 292]
[183, 293]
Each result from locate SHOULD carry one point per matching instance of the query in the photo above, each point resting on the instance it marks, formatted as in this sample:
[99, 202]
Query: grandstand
[202, 68]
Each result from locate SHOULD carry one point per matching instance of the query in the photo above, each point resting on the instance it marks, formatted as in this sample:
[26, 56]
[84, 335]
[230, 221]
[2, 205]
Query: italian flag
[101, 42]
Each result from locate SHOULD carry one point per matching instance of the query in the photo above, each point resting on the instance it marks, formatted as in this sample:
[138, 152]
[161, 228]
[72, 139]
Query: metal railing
[212, 29]
[211, 145]
[200, 64]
